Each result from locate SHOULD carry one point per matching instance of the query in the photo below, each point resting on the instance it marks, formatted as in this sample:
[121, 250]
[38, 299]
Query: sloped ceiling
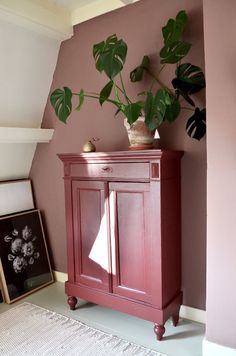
[77, 4]
[82, 10]
[30, 35]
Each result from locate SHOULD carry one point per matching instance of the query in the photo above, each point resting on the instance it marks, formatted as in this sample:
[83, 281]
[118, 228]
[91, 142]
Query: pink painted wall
[140, 25]
[220, 55]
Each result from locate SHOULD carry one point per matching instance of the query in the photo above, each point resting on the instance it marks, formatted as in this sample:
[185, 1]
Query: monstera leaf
[155, 108]
[172, 110]
[81, 99]
[174, 49]
[105, 92]
[137, 74]
[174, 28]
[189, 79]
[132, 111]
[185, 96]
[196, 124]
[174, 52]
[61, 102]
[110, 56]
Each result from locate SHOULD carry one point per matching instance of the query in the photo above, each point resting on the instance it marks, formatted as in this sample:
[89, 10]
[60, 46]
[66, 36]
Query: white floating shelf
[25, 135]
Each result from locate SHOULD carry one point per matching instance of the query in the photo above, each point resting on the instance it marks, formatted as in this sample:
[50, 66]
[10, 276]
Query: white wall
[30, 37]
[27, 64]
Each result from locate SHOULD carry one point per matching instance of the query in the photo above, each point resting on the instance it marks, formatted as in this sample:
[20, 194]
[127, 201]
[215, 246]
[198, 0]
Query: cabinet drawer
[112, 170]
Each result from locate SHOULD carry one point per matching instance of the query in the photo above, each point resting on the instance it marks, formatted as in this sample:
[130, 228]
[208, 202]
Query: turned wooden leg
[72, 302]
[159, 331]
[175, 317]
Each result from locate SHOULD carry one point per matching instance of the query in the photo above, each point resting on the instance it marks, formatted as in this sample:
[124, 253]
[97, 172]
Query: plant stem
[186, 108]
[89, 93]
[116, 93]
[117, 86]
[96, 96]
[161, 69]
[151, 86]
[160, 82]
[123, 88]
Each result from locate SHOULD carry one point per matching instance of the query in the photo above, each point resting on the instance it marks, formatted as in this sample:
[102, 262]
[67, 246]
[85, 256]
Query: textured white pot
[140, 137]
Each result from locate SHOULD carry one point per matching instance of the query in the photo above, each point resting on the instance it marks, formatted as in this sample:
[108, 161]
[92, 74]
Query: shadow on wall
[193, 187]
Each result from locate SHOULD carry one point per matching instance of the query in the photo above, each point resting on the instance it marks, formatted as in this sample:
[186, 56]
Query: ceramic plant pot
[140, 137]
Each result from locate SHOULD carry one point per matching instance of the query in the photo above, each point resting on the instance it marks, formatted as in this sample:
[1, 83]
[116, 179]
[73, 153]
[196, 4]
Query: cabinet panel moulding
[25, 135]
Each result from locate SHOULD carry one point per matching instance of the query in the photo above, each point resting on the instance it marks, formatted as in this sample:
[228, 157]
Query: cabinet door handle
[107, 169]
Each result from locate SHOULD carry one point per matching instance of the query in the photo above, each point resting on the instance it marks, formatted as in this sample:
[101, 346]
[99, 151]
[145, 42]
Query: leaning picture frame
[16, 196]
[24, 260]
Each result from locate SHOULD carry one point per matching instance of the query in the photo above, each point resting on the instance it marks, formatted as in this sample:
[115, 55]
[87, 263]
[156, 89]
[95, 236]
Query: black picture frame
[24, 259]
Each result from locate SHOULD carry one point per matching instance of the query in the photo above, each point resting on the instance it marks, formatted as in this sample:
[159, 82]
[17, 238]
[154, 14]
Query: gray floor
[184, 340]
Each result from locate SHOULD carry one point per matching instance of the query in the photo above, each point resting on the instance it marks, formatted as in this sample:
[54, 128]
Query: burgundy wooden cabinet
[124, 233]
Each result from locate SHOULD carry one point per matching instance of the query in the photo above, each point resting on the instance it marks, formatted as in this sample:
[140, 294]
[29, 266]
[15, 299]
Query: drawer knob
[107, 169]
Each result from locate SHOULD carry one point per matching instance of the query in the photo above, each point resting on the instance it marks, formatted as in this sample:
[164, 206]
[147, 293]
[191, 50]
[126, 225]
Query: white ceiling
[57, 17]
[72, 5]
[82, 10]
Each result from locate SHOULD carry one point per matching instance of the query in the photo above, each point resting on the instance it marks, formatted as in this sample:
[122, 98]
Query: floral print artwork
[23, 251]
[24, 259]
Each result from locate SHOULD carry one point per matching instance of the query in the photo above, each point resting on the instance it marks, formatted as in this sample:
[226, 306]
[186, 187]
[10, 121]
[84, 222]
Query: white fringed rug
[31, 330]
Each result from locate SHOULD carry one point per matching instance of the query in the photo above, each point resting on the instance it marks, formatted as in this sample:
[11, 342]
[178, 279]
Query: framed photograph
[15, 196]
[24, 260]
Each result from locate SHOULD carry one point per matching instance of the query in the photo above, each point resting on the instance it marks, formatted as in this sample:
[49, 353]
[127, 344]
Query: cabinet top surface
[120, 155]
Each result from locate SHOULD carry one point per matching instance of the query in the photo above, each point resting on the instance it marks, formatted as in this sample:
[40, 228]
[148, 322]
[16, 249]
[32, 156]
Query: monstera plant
[158, 103]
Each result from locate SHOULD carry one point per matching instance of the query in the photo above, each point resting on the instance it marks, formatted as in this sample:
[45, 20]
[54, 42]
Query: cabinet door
[130, 239]
[90, 230]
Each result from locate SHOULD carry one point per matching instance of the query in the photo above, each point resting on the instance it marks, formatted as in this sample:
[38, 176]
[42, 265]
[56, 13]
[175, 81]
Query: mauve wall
[220, 31]
[140, 25]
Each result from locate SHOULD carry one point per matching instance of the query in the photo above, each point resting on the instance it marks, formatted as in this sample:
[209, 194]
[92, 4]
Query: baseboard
[212, 349]
[193, 314]
[60, 276]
